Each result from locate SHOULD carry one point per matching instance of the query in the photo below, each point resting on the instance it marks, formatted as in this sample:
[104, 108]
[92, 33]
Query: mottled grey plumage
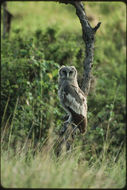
[72, 97]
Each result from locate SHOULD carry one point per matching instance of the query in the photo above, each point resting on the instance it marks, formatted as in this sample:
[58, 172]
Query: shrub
[29, 76]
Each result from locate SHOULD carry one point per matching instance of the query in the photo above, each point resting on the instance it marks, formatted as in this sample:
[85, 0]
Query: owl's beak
[67, 75]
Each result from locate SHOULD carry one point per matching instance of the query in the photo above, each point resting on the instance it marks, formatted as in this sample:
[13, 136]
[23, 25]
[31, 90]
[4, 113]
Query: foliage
[30, 107]
[32, 80]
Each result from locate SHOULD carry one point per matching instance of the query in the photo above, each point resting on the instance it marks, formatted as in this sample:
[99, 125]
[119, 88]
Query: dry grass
[22, 169]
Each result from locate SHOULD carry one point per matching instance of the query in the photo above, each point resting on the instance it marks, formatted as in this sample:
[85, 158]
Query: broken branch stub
[88, 34]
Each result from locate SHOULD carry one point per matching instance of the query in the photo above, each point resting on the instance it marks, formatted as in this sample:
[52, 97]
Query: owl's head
[68, 72]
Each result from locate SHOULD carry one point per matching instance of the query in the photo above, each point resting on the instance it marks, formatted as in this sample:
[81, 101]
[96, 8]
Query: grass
[27, 166]
[42, 15]
[22, 169]
[30, 16]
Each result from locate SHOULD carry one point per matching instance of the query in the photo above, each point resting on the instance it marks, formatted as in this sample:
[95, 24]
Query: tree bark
[88, 34]
[7, 17]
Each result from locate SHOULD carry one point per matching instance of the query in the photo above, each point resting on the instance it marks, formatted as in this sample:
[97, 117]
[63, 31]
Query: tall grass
[28, 167]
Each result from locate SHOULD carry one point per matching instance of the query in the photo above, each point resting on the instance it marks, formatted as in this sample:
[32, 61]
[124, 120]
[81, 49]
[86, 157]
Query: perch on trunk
[72, 98]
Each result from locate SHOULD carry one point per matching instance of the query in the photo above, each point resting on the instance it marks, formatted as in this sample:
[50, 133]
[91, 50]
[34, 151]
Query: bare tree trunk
[88, 37]
[7, 17]
[88, 34]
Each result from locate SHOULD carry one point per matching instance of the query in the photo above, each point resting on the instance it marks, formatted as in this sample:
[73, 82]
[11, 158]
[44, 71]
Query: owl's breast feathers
[75, 102]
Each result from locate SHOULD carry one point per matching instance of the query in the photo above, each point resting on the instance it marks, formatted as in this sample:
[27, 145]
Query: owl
[72, 97]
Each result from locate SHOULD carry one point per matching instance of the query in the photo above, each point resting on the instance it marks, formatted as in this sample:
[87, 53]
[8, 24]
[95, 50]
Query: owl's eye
[64, 72]
[71, 72]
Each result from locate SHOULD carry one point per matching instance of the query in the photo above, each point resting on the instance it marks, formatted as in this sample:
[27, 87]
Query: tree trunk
[7, 17]
[88, 34]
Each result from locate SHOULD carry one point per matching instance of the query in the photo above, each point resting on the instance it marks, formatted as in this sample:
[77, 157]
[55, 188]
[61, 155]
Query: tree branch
[88, 34]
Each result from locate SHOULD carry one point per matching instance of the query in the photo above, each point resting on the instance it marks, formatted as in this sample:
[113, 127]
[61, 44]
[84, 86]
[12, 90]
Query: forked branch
[88, 34]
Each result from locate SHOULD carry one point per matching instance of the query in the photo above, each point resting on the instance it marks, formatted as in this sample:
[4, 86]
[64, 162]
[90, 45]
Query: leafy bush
[29, 76]
[29, 101]
[31, 79]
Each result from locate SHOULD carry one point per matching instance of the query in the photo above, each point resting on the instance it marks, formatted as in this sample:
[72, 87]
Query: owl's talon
[65, 117]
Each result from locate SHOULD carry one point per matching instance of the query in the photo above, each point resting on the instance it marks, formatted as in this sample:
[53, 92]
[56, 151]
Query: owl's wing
[74, 99]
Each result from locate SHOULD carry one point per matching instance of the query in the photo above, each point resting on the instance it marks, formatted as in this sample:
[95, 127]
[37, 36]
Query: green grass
[71, 170]
[30, 16]
[33, 15]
